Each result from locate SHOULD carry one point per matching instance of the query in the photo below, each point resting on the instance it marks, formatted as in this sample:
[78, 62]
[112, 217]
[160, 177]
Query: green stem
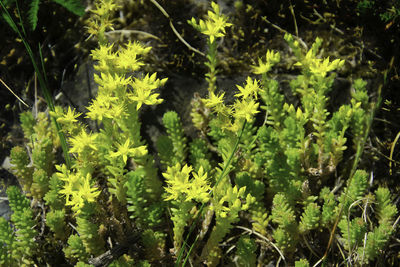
[228, 162]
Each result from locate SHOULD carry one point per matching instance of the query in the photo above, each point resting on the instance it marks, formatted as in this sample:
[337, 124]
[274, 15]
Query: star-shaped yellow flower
[125, 150]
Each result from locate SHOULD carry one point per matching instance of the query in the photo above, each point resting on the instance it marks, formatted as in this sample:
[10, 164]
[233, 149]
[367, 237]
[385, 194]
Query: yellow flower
[104, 7]
[246, 109]
[321, 68]
[177, 180]
[251, 89]
[77, 192]
[82, 141]
[117, 111]
[76, 188]
[215, 24]
[271, 59]
[214, 100]
[112, 84]
[181, 188]
[143, 90]
[100, 107]
[128, 59]
[103, 53]
[317, 66]
[199, 187]
[69, 117]
[125, 150]
[86, 192]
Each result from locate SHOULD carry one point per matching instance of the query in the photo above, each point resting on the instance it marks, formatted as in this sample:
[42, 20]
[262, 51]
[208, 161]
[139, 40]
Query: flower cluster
[180, 186]
[215, 24]
[77, 189]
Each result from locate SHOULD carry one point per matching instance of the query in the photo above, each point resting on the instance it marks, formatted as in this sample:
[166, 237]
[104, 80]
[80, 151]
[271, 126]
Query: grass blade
[42, 82]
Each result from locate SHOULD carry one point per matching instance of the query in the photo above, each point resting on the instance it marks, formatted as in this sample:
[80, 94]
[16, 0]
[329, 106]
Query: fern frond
[74, 6]
[33, 14]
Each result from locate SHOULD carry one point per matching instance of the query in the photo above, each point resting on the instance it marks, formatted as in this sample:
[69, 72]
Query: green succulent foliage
[53, 197]
[310, 219]
[21, 246]
[254, 187]
[145, 213]
[328, 214]
[55, 220]
[282, 176]
[260, 218]
[215, 131]
[302, 263]
[236, 166]
[42, 155]
[199, 155]
[286, 235]
[226, 207]
[375, 243]
[355, 190]
[225, 146]
[246, 252]
[385, 210]
[40, 184]
[165, 150]
[136, 196]
[82, 264]
[123, 261]
[248, 143]
[180, 218]
[335, 140]
[154, 243]
[20, 161]
[88, 230]
[274, 101]
[360, 106]
[27, 123]
[7, 239]
[377, 239]
[34, 178]
[353, 232]
[359, 236]
[175, 132]
[75, 250]
[143, 264]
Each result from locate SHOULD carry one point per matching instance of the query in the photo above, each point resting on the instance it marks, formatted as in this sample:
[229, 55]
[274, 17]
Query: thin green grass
[41, 77]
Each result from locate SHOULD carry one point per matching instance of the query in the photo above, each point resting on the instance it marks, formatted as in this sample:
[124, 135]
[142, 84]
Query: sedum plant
[19, 248]
[213, 27]
[258, 162]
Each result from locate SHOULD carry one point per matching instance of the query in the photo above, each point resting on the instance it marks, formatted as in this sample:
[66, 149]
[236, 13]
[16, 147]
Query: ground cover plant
[268, 176]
